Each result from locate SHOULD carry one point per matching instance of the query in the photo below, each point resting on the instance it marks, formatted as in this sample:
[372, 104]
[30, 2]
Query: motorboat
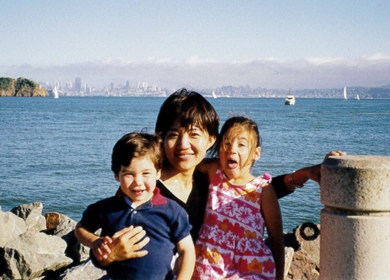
[289, 100]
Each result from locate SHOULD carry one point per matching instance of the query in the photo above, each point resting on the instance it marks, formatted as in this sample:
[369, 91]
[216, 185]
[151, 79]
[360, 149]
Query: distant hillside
[21, 87]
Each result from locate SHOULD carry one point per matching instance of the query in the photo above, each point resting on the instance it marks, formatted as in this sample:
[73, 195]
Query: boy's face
[138, 180]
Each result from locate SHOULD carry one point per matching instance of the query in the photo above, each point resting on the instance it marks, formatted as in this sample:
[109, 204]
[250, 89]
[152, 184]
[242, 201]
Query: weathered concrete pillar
[355, 222]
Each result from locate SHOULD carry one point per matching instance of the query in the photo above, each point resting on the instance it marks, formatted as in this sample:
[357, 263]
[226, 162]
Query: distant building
[77, 84]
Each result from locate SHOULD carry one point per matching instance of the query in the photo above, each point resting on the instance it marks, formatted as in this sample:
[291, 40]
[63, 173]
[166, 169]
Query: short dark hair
[136, 145]
[188, 108]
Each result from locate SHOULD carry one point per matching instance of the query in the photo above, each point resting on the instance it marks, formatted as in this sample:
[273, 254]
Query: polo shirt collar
[157, 199]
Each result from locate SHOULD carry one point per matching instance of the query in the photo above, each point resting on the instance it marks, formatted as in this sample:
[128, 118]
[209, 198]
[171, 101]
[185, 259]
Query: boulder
[306, 260]
[30, 255]
[11, 226]
[62, 226]
[32, 214]
[84, 271]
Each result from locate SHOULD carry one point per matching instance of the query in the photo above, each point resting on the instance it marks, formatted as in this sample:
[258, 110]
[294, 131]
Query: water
[57, 151]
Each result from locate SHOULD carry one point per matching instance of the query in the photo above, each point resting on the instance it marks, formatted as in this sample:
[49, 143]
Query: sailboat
[345, 93]
[357, 97]
[55, 92]
[214, 95]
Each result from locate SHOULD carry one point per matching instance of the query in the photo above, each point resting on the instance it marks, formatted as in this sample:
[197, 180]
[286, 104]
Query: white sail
[55, 92]
[345, 93]
[357, 97]
[214, 95]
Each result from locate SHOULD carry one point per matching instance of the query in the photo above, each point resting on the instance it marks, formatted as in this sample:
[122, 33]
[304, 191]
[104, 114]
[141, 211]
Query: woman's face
[185, 148]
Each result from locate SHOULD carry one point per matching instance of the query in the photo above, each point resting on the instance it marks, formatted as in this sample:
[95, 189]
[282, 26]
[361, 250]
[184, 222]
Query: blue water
[57, 151]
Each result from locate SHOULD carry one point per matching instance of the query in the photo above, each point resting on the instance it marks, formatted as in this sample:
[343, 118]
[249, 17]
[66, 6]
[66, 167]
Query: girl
[230, 242]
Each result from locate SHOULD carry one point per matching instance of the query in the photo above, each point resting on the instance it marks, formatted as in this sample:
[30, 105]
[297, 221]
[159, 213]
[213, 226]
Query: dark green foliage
[22, 83]
[6, 83]
[20, 87]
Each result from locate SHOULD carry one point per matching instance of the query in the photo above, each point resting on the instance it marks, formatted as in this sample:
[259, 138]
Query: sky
[198, 44]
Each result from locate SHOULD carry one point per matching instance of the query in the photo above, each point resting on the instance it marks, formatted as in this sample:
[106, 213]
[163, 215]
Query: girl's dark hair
[136, 145]
[243, 124]
[188, 108]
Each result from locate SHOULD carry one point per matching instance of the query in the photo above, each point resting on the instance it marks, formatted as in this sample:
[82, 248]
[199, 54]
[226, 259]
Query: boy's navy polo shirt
[165, 223]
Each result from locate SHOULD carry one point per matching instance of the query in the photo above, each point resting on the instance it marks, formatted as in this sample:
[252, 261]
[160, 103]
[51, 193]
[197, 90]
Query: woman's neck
[178, 183]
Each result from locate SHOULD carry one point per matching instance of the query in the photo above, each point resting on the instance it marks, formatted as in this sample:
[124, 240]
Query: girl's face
[185, 148]
[236, 157]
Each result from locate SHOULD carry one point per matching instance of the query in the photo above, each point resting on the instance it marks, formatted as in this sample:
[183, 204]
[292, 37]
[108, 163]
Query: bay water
[58, 151]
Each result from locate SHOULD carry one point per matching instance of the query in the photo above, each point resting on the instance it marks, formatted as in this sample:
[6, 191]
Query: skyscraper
[77, 84]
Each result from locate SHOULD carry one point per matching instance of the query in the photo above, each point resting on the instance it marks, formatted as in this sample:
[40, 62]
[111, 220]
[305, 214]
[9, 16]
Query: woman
[188, 125]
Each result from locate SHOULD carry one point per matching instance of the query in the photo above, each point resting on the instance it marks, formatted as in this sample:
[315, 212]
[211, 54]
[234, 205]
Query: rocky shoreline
[37, 246]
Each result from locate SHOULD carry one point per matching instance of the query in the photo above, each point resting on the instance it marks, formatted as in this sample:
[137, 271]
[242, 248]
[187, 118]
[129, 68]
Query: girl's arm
[273, 221]
[208, 166]
[186, 259]
[287, 183]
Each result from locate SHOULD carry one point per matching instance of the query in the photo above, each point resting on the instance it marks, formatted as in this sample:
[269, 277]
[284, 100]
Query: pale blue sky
[259, 43]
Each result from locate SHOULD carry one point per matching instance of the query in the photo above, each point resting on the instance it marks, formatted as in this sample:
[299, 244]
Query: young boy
[136, 163]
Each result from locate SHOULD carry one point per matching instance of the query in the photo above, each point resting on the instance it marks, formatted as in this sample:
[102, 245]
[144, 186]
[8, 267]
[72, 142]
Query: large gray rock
[32, 214]
[11, 226]
[85, 270]
[62, 226]
[29, 255]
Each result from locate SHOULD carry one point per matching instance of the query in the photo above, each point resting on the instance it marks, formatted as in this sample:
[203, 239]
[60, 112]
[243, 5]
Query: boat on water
[289, 100]
[357, 97]
[55, 92]
[214, 95]
[345, 93]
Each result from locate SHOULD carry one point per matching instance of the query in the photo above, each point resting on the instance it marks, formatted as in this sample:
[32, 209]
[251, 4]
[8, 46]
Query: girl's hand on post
[314, 172]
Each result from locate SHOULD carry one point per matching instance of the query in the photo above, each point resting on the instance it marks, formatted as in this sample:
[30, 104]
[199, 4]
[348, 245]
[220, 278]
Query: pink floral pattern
[230, 244]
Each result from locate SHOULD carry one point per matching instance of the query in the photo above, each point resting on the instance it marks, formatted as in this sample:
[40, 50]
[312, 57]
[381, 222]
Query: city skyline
[316, 44]
[144, 89]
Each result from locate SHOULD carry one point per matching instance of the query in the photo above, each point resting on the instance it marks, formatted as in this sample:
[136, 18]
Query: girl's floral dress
[230, 244]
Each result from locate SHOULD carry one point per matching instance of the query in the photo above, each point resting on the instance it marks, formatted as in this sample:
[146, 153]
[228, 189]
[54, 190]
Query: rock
[302, 267]
[62, 226]
[86, 271]
[306, 260]
[30, 255]
[308, 235]
[11, 226]
[288, 257]
[59, 224]
[32, 214]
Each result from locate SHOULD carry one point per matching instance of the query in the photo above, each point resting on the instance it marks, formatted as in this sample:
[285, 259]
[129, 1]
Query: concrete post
[355, 221]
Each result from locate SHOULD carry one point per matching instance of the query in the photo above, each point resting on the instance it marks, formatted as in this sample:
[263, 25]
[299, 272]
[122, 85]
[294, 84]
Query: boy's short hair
[136, 145]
